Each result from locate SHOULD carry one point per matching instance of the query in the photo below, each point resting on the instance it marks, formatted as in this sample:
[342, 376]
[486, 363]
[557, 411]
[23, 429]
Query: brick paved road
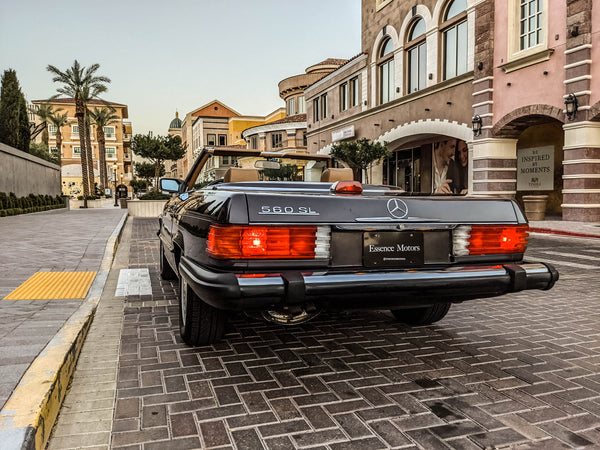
[522, 371]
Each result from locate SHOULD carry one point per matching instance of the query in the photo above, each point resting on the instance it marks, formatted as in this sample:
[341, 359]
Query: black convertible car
[253, 242]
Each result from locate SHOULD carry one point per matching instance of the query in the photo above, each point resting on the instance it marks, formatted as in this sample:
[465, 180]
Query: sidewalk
[40, 339]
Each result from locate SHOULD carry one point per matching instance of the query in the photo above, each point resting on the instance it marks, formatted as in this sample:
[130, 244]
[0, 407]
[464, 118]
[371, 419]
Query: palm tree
[44, 112]
[101, 118]
[59, 121]
[81, 84]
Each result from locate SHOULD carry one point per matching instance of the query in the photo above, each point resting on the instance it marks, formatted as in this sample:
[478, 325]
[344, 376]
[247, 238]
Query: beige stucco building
[117, 146]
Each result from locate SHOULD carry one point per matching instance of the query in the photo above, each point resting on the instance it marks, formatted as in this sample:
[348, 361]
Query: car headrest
[236, 174]
[333, 175]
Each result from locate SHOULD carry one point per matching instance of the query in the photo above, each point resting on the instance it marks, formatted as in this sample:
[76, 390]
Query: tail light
[268, 242]
[347, 187]
[490, 239]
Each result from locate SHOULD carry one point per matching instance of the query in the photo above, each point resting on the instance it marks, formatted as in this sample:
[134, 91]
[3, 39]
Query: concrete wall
[25, 174]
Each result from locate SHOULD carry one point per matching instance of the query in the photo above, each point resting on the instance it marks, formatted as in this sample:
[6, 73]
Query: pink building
[532, 61]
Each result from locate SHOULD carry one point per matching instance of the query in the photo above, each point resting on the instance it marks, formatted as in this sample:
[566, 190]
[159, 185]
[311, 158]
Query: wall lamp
[571, 105]
[476, 125]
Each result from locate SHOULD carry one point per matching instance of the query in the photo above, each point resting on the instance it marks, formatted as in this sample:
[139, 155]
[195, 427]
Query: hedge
[11, 205]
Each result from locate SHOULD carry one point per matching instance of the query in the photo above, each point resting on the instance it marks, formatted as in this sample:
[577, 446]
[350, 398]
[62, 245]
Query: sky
[176, 55]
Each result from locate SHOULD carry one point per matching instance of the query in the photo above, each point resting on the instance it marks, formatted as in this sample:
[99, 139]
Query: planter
[535, 206]
[145, 208]
[76, 204]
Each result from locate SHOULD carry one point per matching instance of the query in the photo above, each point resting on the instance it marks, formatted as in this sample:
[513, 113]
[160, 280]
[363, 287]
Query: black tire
[166, 271]
[422, 316]
[199, 323]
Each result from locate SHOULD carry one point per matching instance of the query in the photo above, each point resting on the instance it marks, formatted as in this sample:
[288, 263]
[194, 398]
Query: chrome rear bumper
[369, 290]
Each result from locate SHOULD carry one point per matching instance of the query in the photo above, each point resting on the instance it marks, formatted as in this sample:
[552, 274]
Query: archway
[425, 154]
[539, 132]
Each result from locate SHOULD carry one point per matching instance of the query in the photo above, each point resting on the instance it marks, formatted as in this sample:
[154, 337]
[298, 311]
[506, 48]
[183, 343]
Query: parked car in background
[286, 235]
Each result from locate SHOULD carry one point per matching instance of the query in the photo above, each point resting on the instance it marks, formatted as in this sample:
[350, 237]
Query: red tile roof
[289, 119]
[71, 101]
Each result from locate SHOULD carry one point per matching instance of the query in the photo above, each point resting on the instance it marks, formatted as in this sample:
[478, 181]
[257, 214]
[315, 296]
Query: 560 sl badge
[288, 210]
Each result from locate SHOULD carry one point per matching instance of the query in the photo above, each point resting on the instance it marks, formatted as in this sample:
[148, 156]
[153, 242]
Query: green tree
[81, 84]
[158, 150]
[14, 121]
[286, 172]
[101, 118]
[59, 121]
[147, 172]
[139, 185]
[360, 155]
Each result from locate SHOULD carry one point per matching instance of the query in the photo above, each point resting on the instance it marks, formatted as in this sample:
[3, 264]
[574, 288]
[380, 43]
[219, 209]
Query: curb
[28, 416]
[562, 232]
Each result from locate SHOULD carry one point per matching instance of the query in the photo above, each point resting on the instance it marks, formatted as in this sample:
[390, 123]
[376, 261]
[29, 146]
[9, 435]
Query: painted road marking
[572, 255]
[54, 285]
[569, 264]
[133, 282]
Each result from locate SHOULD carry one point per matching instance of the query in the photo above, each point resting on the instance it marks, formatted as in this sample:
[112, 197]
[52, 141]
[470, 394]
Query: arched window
[416, 49]
[454, 38]
[385, 64]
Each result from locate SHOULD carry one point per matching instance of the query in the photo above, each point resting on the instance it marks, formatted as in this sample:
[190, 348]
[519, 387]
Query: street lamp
[476, 122]
[115, 179]
[571, 105]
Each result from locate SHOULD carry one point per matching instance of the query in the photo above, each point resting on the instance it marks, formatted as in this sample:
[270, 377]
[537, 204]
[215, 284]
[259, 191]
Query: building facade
[289, 133]
[206, 126]
[410, 87]
[117, 145]
[535, 64]
[475, 90]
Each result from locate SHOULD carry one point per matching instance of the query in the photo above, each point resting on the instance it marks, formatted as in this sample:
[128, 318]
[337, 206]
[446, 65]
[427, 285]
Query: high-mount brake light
[267, 242]
[490, 239]
[347, 187]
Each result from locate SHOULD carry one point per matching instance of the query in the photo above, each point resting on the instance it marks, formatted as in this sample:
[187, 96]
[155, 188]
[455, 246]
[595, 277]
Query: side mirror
[170, 185]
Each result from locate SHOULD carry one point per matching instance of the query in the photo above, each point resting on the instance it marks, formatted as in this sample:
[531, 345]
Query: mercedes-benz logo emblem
[397, 208]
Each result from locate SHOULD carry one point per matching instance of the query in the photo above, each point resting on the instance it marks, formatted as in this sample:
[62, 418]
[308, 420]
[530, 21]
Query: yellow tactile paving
[53, 285]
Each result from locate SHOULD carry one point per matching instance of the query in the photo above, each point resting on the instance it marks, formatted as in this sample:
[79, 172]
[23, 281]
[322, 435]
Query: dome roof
[176, 122]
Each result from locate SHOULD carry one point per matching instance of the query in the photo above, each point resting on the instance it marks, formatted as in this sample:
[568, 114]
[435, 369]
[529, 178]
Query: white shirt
[439, 178]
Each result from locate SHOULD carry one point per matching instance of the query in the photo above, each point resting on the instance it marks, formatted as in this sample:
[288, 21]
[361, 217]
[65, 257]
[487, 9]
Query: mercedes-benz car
[286, 235]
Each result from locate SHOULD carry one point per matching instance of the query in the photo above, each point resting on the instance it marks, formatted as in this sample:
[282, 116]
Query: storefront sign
[344, 133]
[535, 169]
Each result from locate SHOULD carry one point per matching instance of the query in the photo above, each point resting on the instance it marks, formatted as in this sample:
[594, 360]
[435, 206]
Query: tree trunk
[90, 155]
[45, 136]
[156, 174]
[58, 141]
[80, 111]
[102, 157]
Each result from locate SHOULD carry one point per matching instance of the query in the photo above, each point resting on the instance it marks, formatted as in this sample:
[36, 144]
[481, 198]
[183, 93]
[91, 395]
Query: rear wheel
[422, 316]
[199, 323]
[166, 271]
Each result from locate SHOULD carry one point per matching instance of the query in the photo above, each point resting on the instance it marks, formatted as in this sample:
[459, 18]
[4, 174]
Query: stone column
[581, 172]
[483, 75]
[494, 167]
[578, 54]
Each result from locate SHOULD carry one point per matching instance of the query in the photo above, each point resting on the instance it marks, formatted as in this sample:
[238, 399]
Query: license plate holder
[393, 248]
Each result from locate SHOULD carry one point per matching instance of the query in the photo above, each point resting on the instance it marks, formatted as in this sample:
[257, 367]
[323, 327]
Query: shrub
[154, 195]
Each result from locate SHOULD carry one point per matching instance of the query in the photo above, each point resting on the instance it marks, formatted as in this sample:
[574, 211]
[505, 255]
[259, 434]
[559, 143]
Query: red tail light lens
[348, 187]
[255, 242]
[492, 239]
